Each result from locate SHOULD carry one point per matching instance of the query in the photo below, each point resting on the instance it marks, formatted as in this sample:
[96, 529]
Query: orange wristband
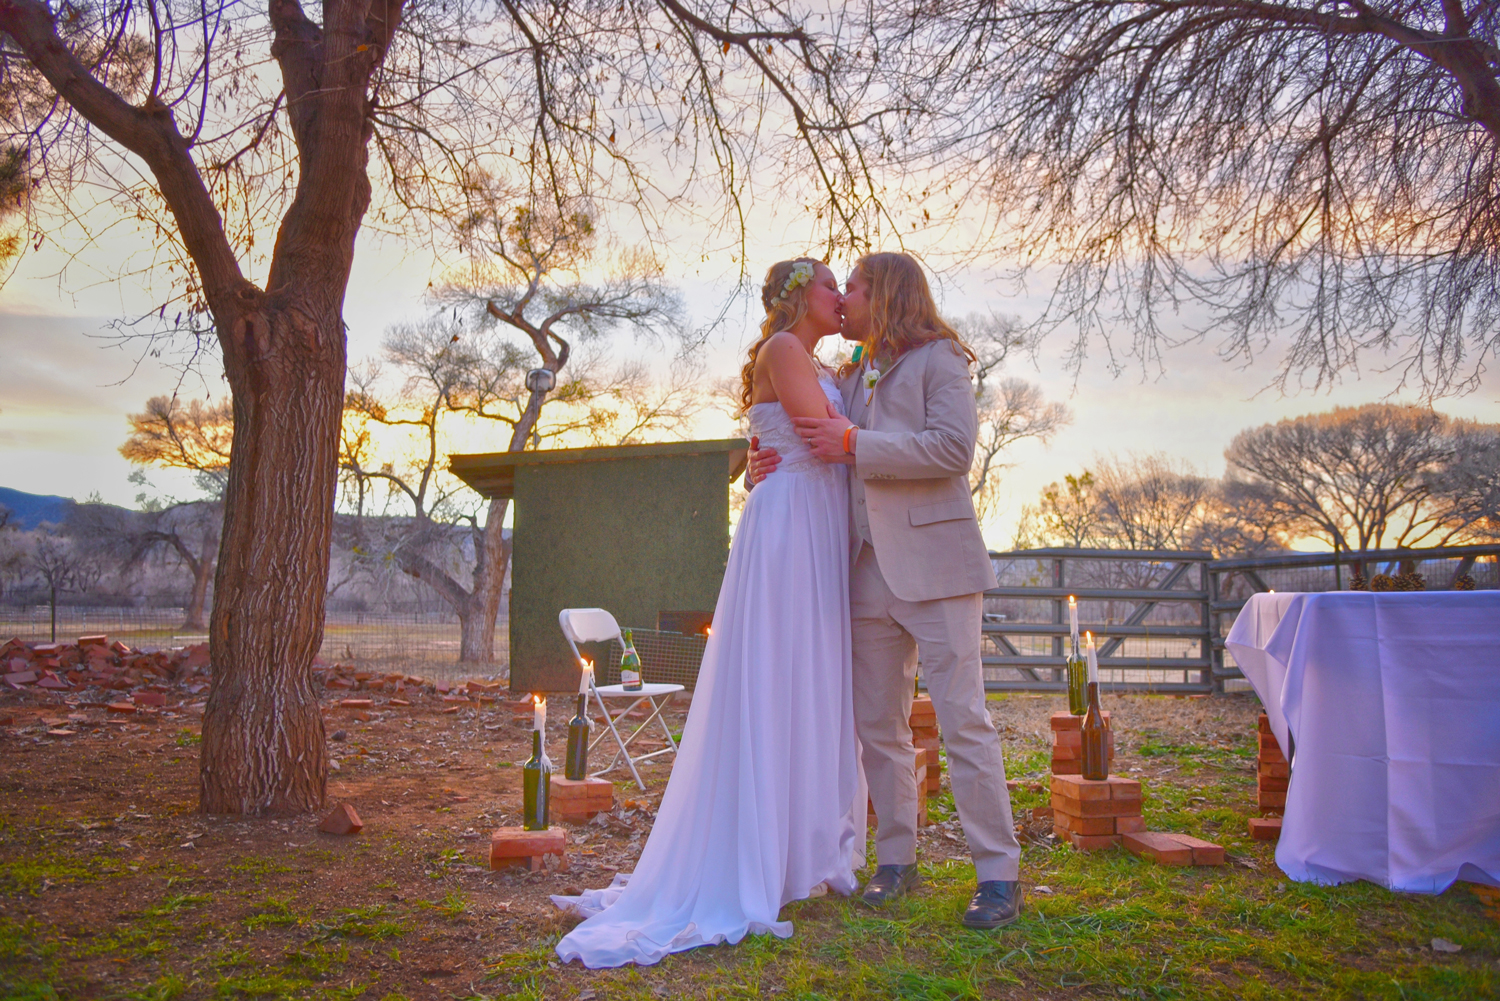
[847, 432]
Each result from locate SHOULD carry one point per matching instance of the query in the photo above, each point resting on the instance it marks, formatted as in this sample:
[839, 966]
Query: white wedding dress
[764, 802]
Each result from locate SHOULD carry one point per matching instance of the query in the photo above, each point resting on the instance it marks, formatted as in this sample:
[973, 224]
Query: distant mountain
[27, 511]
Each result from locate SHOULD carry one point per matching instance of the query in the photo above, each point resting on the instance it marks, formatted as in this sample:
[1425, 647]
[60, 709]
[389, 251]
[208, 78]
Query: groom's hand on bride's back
[763, 462]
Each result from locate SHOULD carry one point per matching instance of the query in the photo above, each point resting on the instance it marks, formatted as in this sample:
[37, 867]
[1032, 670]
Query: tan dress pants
[887, 635]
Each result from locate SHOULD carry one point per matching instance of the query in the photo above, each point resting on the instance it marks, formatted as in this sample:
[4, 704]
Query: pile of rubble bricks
[128, 678]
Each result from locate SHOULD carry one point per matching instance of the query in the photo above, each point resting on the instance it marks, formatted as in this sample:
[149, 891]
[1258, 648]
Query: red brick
[357, 703]
[149, 699]
[1096, 807]
[343, 820]
[399, 702]
[1093, 842]
[1067, 738]
[1067, 721]
[451, 709]
[927, 743]
[1084, 825]
[462, 699]
[100, 640]
[582, 800]
[1274, 769]
[18, 678]
[1265, 784]
[121, 707]
[1161, 848]
[1066, 753]
[1065, 767]
[1204, 852]
[1080, 788]
[1267, 742]
[1265, 828]
[518, 846]
[923, 713]
[1271, 800]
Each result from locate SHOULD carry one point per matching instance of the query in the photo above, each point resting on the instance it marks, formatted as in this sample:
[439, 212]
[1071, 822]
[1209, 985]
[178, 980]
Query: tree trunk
[263, 739]
[477, 620]
[203, 572]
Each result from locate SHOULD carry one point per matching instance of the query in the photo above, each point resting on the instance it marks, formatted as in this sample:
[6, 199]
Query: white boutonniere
[871, 377]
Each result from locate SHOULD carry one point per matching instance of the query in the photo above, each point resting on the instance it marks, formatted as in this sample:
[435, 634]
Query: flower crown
[802, 274]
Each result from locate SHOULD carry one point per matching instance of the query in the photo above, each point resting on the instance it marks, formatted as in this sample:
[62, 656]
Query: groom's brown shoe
[889, 883]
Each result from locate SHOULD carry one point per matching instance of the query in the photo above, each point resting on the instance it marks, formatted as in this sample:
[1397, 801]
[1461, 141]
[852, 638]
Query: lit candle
[583, 681]
[539, 715]
[1093, 661]
[1073, 618]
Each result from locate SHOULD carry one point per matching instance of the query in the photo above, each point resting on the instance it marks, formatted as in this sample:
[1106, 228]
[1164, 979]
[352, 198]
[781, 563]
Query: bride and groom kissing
[858, 550]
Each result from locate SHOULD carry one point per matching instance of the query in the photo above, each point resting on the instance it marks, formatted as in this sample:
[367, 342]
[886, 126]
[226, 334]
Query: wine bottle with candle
[1095, 734]
[536, 774]
[1077, 669]
[630, 666]
[577, 764]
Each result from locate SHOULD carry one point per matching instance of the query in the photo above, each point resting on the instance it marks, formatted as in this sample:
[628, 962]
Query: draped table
[1388, 707]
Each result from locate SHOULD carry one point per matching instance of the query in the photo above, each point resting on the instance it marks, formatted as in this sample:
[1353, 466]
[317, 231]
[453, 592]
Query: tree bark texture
[284, 354]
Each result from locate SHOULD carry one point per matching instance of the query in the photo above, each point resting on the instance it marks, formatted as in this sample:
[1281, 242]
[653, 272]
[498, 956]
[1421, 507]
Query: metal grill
[666, 658]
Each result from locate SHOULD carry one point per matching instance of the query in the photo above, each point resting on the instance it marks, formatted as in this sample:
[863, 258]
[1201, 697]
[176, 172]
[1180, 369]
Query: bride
[764, 805]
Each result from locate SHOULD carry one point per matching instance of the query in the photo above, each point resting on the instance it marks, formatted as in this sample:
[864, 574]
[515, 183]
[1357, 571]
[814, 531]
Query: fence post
[1211, 650]
[1057, 615]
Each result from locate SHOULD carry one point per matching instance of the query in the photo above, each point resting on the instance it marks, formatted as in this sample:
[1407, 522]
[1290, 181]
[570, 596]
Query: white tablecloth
[1392, 704]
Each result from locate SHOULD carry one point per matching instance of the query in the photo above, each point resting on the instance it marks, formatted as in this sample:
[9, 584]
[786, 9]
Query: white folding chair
[595, 625]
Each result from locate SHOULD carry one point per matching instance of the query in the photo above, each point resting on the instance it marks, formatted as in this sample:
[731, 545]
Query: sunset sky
[68, 385]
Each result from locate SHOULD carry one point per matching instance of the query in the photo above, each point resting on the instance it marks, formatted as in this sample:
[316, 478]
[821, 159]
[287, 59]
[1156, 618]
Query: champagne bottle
[536, 778]
[577, 764]
[1095, 734]
[630, 666]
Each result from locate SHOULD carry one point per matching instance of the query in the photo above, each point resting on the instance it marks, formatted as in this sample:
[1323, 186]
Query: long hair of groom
[903, 314]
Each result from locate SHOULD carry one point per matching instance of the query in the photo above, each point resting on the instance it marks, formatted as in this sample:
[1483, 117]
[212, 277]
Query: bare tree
[60, 565]
[197, 438]
[1324, 168]
[1067, 514]
[1011, 410]
[1374, 476]
[430, 526]
[15, 186]
[1136, 502]
[174, 112]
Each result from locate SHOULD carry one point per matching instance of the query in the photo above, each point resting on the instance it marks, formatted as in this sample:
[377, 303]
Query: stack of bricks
[1067, 744]
[579, 801]
[924, 735]
[511, 846]
[1271, 778]
[1092, 814]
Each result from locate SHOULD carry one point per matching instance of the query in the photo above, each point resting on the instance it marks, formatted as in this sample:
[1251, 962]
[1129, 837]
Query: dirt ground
[108, 865]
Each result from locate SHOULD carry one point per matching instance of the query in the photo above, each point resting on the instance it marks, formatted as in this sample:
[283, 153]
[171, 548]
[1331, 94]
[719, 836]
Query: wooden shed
[635, 529]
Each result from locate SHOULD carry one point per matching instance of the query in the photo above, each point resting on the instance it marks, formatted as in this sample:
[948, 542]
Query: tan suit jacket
[912, 458]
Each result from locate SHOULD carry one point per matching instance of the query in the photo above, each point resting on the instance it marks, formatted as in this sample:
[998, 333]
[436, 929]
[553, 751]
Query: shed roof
[493, 474]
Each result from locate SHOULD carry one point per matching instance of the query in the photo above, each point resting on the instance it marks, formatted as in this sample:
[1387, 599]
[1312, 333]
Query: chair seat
[646, 689]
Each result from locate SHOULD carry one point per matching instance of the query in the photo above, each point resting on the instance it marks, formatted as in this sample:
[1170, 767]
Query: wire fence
[424, 643]
[1160, 618]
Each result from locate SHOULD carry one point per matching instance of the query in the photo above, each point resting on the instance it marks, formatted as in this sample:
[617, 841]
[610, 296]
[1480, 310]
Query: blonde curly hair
[784, 310]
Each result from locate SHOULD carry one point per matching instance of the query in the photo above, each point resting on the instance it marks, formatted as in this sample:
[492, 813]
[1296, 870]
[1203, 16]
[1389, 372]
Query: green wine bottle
[630, 666]
[536, 778]
[1095, 733]
[1077, 668]
[577, 764]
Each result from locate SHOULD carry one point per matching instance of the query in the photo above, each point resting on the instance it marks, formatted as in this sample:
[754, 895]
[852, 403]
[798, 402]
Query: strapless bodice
[773, 426]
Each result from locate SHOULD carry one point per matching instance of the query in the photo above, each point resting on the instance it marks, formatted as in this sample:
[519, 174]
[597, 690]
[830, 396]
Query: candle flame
[1089, 636]
[708, 630]
[1072, 600]
[536, 699]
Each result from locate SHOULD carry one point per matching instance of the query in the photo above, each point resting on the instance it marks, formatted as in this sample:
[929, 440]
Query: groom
[917, 572]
